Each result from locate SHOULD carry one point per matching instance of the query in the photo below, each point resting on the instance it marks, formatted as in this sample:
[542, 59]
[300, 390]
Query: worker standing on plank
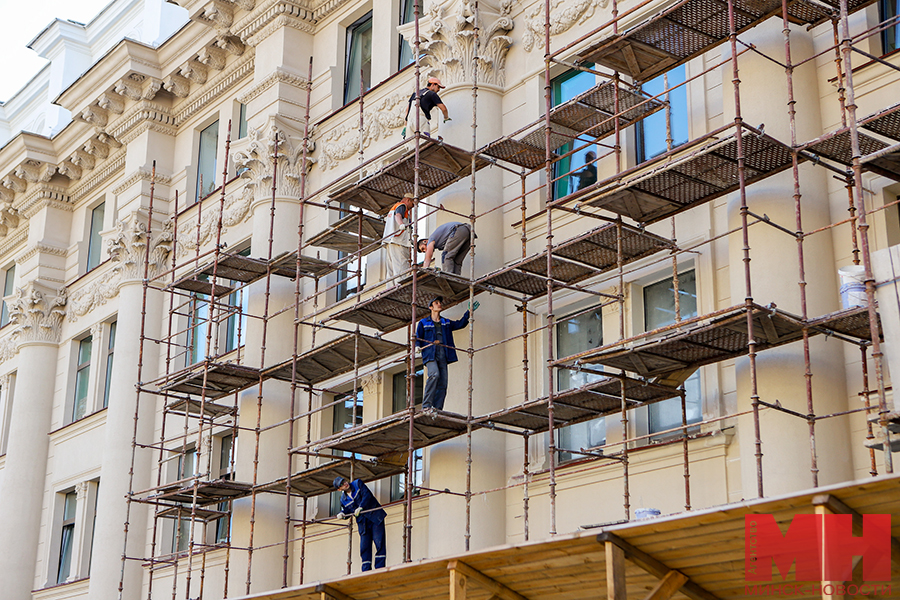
[428, 99]
[434, 335]
[358, 501]
[396, 241]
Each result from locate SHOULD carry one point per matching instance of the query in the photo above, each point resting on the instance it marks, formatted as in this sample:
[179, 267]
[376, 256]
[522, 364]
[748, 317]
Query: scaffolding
[210, 291]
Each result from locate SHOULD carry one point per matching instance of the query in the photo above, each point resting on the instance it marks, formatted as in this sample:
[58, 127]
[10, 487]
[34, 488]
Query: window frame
[67, 540]
[94, 239]
[9, 288]
[397, 484]
[349, 95]
[334, 498]
[639, 132]
[108, 359]
[82, 371]
[564, 165]
[200, 194]
[892, 31]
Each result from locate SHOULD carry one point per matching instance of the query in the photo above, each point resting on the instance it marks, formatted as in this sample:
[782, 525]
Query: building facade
[234, 128]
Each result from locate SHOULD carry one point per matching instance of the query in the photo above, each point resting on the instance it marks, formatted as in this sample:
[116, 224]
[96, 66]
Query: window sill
[69, 589]
[82, 425]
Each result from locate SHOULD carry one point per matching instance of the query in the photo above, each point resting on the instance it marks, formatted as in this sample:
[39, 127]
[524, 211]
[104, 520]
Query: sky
[23, 22]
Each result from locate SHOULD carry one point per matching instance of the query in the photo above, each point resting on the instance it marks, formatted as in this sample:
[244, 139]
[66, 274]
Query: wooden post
[458, 585]
[667, 586]
[615, 572]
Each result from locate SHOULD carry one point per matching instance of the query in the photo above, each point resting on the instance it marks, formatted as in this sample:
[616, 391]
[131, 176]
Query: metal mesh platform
[593, 110]
[697, 342]
[345, 234]
[309, 266]
[580, 404]
[686, 30]
[336, 357]
[199, 514]
[389, 437]
[390, 309]
[234, 271]
[691, 175]
[208, 492]
[214, 379]
[584, 256]
[439, 166]
[195, 408]
[318, 480]
[853, 322]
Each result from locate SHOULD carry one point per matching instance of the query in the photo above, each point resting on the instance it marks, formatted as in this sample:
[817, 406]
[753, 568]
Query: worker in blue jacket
[357, 501]
[438, 350]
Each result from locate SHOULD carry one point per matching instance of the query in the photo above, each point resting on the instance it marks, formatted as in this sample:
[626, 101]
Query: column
[449, 57]
[774, 276]
[37, 313]
[128, 249]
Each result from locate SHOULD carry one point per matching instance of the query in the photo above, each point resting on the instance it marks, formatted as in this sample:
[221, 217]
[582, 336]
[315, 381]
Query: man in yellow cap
[428, 100]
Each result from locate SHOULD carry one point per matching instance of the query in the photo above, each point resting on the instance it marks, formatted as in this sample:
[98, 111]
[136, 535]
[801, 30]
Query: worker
[396, 241]
[588, 175]
[358, 501]
[428, 99]
[453, 239]
[438, 350]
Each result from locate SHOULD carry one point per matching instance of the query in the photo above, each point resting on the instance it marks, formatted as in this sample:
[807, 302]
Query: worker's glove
[473, 306]
[447, 119]
[403, 133]
[357, 512]
[342, 516]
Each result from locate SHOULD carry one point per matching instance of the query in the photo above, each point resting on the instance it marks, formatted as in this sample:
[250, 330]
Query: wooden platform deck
[716, 337]
[440, 165]
[391, 308]
[707, 546]
[688, 29]
[584, 256]
[587, 116]
[688, 176]
[580, 404]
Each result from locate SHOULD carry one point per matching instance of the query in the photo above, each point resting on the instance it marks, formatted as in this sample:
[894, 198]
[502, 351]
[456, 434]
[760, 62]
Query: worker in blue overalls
[357, 501]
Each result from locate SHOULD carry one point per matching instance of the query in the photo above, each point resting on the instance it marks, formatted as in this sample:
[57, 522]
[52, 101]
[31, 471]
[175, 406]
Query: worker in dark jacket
[358, 501]
[438, 350]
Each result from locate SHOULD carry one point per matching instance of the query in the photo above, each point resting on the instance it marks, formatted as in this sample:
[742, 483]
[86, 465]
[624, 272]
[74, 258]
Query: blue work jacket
[425, 337]
[359, 496]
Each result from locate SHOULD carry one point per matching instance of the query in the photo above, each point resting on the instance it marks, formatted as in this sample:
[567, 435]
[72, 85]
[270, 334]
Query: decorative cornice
[42, 196]
[141, 175]
[343, 142]
[274, 78]
[99, 177]
[258, 25]
[220, 84]
[86, 299]
[36, 314]
[40, 248]
[448, 29]
[17, 238]
[237, 210]
[564, 14]
[128, 248]
[144, 111]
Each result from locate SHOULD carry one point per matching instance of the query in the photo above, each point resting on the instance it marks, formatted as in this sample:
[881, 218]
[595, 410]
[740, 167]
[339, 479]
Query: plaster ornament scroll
[37, 314]
[83, 159]
[35, 171]
[564, 14]
[195, 71]
[96, 294]
[94, 115]
[343, 142]
[111, 103]
[371, 383]
[212, 57]
[237, 210]
[129, 88]
[15, 183]
[256, 161]
[128, 249]
[9, 346]
[178, 85]
[447, 34]
[69, 170]
[230, 44]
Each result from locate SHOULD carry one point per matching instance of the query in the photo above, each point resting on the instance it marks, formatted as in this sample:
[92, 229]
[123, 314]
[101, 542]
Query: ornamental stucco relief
[564, 14]
[237, 210]
[343, 142]
[447, 31]
[96, 294]
[256, 160]
[128, 249]
[36, 313]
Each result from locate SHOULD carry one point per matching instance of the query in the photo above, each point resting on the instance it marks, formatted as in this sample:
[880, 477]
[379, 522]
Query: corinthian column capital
[128, 248]
[37, 312]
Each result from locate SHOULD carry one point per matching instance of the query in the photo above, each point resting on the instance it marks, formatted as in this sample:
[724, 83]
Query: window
[82, 378]
[578, 333]
[226, 472]
[359, 58]
[651, 132]
[398, 482]
[110, 352]
[198, 324]
[343, 418]
[7, 392]
[95, 242]
[407, 14]
[564, 88]
[236, 324]
[9, 279]
[890, 37]
[206, 161]
[242, 122]
[187, 463]
[67, 537]
[350, 284]
[659, 311]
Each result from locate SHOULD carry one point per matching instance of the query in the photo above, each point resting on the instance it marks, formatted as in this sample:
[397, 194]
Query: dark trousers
[436, 384]
[455, 249]
[370, 533]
